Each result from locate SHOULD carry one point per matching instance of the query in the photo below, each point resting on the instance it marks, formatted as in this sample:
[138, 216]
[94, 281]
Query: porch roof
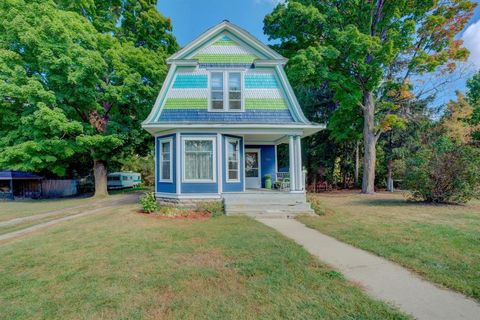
[18, 175]
[273, 130]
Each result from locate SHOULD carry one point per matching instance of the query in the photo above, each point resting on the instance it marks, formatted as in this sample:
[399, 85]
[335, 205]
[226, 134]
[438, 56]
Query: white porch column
[291, 150]
[298, 164]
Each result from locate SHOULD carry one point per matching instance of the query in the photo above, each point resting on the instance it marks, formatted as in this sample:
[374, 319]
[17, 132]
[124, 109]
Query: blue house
[225, 106]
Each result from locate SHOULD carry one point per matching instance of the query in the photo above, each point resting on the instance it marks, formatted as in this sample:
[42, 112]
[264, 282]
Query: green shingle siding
[189, 103]
[262, 104]
[225, 58]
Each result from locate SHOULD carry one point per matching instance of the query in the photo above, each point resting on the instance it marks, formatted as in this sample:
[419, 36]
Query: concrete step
[268, 206]
[264, 198]
[301, 208]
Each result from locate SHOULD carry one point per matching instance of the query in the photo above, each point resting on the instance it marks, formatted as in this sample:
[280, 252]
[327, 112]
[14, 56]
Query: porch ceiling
[265, 138]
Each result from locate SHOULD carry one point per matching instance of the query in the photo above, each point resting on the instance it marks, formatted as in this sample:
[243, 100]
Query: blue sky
[190, 18]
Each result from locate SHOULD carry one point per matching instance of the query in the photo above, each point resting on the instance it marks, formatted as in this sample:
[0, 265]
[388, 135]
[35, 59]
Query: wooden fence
[58, 188]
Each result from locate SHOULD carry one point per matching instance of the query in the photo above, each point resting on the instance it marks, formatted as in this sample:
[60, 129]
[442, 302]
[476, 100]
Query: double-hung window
[226, 91]
[199, 159]
[233, 159]
[166, 160]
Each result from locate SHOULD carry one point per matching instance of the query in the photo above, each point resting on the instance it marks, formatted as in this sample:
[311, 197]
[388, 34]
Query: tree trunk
[370, 141]
[357, 164]
[390, 187]
[100, 175]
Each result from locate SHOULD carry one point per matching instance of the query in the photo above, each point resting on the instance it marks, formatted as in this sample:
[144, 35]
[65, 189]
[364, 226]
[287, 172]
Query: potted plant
[268, 181]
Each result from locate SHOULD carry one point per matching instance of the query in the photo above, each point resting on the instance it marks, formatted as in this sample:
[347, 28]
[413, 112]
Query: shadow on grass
[401, 203]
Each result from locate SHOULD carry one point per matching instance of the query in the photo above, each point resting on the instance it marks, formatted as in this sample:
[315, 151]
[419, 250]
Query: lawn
[439, 242]
[23, 208]
[123, 265]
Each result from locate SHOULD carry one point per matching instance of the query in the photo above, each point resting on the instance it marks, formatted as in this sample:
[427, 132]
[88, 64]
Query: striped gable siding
[187, 100]
[225, 51]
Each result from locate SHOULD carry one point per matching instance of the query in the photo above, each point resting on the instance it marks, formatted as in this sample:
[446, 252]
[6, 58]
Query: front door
[253, 172]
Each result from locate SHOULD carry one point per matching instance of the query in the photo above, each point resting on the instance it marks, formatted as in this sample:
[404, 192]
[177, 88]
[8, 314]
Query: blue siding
[249, 116]
[267, 160]
[183, 81]
[261, 82]
[169, 187]
[189, 187]
[232, 186]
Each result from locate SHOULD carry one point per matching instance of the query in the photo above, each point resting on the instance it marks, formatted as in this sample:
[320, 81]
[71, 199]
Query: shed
[19, 184]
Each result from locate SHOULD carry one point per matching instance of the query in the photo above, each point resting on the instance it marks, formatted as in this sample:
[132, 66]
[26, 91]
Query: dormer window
[226, 91]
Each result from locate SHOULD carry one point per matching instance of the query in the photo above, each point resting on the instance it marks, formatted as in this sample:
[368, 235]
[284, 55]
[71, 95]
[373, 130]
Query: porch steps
[266, 204]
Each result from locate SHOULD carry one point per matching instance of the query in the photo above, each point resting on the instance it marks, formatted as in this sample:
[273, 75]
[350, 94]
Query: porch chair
[282, 181]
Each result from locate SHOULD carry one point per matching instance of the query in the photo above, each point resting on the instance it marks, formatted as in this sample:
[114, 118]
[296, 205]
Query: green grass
[23, 208]
[129, 190]
[123, 265]
[440, 242]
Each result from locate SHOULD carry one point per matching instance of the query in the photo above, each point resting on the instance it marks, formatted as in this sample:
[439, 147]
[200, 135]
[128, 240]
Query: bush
[148, 202]
[215, 208]
[444, 172]
[316, 204]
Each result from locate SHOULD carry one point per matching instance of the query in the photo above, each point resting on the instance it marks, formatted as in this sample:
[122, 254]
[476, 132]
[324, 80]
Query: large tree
[96, 70]
[368, 52]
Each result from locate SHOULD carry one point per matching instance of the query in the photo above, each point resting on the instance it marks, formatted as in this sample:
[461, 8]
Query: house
[225, 106]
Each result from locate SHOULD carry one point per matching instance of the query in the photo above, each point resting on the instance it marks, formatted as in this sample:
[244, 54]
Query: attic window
[226, 91]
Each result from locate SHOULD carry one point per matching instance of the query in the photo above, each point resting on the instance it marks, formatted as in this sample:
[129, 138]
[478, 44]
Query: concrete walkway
[380, 278]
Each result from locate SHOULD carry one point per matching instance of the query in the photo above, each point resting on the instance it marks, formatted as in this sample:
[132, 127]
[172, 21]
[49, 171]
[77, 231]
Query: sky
[190, 18]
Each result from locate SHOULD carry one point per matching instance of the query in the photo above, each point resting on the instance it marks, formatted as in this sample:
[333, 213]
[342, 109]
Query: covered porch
[263, 162]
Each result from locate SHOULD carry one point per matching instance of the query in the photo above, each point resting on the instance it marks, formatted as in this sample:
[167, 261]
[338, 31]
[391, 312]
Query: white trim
[259, 151]
[226, 89]
[162, 141]
[156, 163]
[235, 31]
[220, 164]
[214, 160]
[243, 163]
[227, 168]
[298, 164]
[178, 155]
[161, 94]
[291, 163]
[291, 95]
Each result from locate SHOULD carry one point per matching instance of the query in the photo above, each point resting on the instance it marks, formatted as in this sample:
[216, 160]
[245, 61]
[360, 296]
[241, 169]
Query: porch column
[298, 164]
[291, 150]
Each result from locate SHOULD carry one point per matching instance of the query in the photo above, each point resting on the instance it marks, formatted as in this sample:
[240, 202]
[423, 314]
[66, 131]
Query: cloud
[471, 40]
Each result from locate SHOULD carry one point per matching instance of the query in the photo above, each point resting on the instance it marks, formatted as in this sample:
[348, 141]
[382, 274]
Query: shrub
[148, 202]
[316, 204]
[215, 208]
[444, 172]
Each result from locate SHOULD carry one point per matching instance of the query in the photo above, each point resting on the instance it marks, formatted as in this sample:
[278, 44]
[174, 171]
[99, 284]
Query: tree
[368, 51]
[473, 98]
[104, 82]
[444, 171]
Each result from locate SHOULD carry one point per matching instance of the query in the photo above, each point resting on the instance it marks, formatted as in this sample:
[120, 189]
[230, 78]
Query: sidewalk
[380, 278]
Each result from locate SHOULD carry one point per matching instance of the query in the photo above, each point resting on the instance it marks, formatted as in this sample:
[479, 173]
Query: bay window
[226, 91]
[199, 159]
[233, 159]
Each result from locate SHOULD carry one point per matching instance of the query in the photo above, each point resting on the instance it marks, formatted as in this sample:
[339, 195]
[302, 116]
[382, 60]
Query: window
[234, 91]
[233, 160]
[166, 160]
[217, 90]
[199, 159]
[226, 91]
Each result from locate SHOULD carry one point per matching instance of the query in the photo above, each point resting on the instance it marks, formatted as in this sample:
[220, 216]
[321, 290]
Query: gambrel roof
[268, 98]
